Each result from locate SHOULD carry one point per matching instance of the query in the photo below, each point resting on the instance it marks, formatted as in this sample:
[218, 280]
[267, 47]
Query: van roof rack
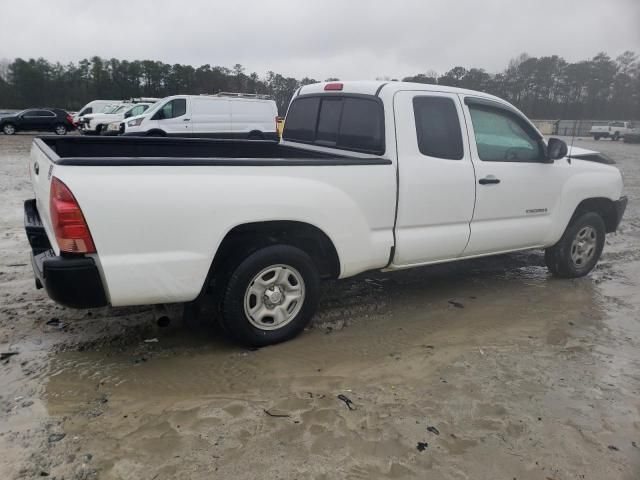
[240, 95]
[141, 100]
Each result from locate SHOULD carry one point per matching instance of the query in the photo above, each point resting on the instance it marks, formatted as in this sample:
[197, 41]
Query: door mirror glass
[556, 149]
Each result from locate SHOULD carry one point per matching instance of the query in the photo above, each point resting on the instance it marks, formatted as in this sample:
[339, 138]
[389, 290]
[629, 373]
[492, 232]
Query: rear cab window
[344, 121]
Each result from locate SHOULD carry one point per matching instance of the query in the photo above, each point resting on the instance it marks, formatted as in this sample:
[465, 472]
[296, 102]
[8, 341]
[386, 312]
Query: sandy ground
[486, 369]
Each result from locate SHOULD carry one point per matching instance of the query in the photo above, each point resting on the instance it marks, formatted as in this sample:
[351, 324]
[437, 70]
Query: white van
[95, 106]
[213, 116]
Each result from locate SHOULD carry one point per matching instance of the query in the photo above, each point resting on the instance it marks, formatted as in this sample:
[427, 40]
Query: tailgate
[41, 167]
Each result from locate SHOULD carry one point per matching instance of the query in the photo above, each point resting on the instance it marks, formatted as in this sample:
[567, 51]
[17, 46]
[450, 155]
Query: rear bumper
[69, 280]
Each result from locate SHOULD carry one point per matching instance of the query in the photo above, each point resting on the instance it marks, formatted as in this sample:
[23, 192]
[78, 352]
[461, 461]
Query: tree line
[542, 87]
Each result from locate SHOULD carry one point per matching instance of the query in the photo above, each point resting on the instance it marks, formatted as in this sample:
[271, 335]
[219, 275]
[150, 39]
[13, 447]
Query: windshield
[154, 107]
[110, 109]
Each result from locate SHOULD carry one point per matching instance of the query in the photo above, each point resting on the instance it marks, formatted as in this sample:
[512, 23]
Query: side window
[501, 138]
[43, 113]
[173, 109]
[438, 128]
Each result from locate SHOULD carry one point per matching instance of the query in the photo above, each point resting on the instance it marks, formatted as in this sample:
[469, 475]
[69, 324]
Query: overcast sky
[349, 39]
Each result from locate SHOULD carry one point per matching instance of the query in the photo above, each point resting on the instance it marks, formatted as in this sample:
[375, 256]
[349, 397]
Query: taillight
[69, 225]
[333, 86]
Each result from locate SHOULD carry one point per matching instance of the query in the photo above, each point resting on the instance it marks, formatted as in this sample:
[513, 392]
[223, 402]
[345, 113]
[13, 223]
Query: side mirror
[556, 149]
[127, 115]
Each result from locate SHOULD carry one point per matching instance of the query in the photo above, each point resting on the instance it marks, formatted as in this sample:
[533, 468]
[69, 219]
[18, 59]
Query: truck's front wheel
[271, 296]
[579, 249]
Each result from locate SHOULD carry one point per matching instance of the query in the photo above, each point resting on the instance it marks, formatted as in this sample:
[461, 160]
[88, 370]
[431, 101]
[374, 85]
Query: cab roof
[388, 88]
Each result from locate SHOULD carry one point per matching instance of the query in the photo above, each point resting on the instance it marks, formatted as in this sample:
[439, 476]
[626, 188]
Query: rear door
[252, 116]
[436, 178]
[211, 117]
[174, 118]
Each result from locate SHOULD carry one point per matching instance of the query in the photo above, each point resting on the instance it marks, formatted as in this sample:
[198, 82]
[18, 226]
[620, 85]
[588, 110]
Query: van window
[172, 109]
[138, 110]
[342, 121]
[438, 128]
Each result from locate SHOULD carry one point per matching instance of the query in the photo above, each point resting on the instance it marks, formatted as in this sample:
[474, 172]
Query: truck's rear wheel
[270, 296]
[616, 136]
[579, 249]
[596, 137]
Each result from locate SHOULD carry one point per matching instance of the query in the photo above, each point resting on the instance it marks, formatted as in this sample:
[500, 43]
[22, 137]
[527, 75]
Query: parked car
[613, 130]
[95, 123]
[37, 120]
[94, 106]
[368, 176]
[213, 116]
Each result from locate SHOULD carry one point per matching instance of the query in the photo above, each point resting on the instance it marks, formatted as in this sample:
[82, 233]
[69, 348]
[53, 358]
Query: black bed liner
[158, 151]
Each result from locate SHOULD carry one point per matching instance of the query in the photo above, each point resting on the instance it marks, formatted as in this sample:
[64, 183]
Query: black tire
[9, 129]
[560, 258]
[596, 137]
[616, 136]
[60, 129]
[155, 133]
[235, 321]
[99, 129]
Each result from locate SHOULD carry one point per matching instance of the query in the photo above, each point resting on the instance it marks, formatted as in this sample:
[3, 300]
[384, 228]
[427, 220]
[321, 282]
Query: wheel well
[603, 207]
[156, 132]
[255, 133]
[245, 239]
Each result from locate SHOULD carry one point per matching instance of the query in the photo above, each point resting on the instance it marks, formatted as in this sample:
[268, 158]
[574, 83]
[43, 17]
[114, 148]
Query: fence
[578, 128]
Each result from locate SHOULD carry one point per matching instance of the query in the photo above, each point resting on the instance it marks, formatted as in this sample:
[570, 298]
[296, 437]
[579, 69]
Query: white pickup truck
[368, 175]
[612, 130]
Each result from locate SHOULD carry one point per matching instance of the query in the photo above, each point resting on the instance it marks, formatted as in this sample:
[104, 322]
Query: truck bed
[131, 151]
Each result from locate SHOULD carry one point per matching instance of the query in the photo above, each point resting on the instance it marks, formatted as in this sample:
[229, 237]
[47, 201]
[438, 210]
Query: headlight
[135, 122]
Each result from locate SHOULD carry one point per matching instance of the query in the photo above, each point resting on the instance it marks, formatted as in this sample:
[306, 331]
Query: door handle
[489, 180]
[186, 119]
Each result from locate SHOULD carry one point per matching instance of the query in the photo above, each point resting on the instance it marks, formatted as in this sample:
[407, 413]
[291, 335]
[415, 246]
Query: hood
[589, 156]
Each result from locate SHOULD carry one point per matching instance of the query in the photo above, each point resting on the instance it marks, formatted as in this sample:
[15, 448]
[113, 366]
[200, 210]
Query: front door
[517, 191]
[173, 118]
[437, 182]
